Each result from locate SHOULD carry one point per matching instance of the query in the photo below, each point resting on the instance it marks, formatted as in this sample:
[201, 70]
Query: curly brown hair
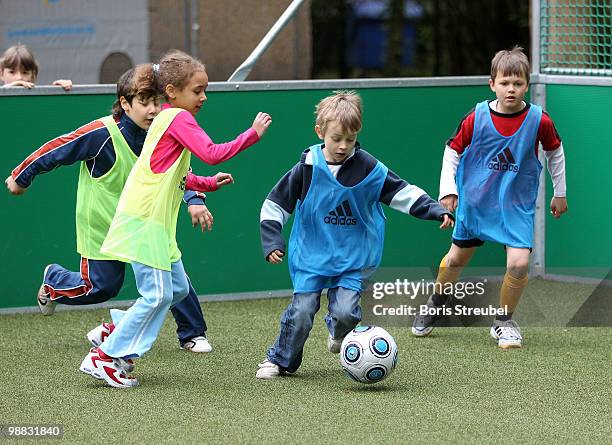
[176, 68]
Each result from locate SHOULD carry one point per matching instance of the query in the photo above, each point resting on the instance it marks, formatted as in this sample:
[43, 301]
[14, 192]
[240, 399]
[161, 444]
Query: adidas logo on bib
[504, 161]
[341, 215]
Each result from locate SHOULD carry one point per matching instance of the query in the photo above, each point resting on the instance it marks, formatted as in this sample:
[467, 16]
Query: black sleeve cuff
[428, 208]
[21, 183]
[271, 237]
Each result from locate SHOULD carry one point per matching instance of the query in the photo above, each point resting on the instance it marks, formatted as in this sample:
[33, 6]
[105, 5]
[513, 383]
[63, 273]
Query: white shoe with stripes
[507, 334]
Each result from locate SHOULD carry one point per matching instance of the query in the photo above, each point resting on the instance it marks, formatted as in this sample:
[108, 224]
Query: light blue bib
[497, 181]
[338, 232]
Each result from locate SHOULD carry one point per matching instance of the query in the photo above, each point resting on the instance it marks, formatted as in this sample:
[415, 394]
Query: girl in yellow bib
[143, 231]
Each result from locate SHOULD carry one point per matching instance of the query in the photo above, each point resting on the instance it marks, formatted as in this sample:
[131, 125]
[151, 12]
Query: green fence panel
[582, 238]
[404, 127]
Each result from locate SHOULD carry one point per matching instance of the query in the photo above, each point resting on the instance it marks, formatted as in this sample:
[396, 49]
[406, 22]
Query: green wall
[404, 127]
[582, 238]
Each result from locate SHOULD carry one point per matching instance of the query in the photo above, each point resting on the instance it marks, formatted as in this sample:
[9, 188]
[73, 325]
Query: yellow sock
[446, 275]
[511, 291]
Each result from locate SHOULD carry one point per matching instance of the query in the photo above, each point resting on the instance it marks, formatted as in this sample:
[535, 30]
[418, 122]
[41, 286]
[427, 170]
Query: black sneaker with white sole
[45, 304]
[423, 324]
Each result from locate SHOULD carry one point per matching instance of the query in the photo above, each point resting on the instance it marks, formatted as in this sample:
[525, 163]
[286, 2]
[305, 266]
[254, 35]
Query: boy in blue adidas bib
[490, 176]
[336, 191]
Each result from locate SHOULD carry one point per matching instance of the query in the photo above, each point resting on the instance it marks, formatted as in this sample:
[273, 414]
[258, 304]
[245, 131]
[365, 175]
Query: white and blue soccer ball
[368, 354]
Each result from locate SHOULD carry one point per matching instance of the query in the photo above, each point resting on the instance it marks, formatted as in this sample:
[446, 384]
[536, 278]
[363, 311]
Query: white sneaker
[333, 345]
[98, 334]
[46, 306]
[507, 334]
[268, 370]
[197, 344]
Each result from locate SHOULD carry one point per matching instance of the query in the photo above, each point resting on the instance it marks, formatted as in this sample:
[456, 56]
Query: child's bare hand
[261, 123]
[13, 187]
[447, 222]
[276, 257]
[66, 84]
[20, 83]
[449, 202]
[202, 216]
[558, 206]
[224, 179]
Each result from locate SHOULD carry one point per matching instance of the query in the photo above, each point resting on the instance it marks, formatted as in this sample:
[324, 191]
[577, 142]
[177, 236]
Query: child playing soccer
[337, 237]
[107, 149]
[143, 230]
[490, 175]
[19, 68]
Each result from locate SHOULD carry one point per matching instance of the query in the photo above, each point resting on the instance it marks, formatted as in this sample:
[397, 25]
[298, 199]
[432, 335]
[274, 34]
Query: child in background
[19, 68]
[143, 231]
[490, 175]
[107, 149]
[336, 190]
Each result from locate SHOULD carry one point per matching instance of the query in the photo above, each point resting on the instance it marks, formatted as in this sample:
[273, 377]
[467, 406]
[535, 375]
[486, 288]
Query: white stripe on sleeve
[271, 211]
[405, 198]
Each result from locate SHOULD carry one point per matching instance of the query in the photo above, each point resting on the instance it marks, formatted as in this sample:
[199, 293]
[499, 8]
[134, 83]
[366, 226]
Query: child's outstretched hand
[449, 202]
[202, 216]
[224, 179]
[447, 222]
[13, 187]
[261, 123]
[558, 206]
[276, 257]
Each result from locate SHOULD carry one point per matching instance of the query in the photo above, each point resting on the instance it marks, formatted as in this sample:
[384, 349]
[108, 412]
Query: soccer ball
[368, 354]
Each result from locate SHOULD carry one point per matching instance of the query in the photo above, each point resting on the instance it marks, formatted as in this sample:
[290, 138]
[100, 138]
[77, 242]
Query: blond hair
[512, 62]
[343, 106]
[176, 68]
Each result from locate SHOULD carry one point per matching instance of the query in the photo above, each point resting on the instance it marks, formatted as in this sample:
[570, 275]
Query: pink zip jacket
[184, 132]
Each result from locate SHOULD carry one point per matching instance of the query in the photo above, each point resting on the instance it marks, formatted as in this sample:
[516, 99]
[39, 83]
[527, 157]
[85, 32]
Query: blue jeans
[100, 280]
[344, 313]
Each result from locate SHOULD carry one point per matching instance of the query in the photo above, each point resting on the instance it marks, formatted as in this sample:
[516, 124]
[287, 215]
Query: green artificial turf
[455, 386]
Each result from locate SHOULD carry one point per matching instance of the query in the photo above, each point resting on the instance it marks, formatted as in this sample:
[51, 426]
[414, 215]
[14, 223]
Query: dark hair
[512, 62]
[139, 82]
[19, 56]
[176, 68]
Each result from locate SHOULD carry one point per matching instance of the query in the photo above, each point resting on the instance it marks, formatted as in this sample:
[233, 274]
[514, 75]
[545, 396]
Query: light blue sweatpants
[137, 328]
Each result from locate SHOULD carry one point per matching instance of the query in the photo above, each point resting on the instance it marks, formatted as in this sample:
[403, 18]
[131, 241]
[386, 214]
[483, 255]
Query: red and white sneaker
[103, 367]
[89, 364]
[98, 334]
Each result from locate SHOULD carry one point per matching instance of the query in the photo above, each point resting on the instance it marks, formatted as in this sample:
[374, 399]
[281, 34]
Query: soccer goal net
[576, 37]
